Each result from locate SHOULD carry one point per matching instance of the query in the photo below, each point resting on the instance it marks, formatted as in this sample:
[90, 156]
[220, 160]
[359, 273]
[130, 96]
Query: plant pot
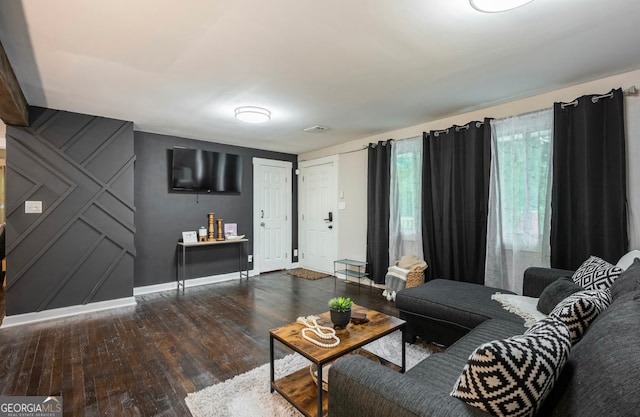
[340, 318]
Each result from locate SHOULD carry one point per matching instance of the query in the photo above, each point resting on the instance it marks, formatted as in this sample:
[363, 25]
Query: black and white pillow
[512, 377]
[596, 273]
[580, 309]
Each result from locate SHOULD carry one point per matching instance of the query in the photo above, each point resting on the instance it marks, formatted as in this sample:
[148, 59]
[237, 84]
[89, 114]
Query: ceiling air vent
[316, 129]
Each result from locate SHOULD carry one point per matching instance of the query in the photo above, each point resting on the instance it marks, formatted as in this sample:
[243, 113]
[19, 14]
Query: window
[524, 160]
[519, 198]
[405, 223]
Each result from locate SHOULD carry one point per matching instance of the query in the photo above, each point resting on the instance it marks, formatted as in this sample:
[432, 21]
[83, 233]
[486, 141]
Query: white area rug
[248, 394]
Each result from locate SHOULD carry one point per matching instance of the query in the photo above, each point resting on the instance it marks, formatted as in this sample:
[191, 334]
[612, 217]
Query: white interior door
[272, 214]
[318, 214]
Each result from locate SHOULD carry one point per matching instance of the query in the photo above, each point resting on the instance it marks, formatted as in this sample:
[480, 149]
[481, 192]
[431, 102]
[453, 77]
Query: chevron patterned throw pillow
[595, 274]
[580, 309]
[512, 377]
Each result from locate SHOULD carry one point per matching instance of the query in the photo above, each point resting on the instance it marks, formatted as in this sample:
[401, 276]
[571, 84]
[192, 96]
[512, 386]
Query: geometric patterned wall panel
[81, 248]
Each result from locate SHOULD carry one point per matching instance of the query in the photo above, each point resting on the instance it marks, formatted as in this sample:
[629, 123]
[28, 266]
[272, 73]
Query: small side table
[349, 268]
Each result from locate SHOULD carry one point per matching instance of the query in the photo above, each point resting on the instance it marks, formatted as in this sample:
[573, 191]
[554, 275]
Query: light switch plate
[33, 207]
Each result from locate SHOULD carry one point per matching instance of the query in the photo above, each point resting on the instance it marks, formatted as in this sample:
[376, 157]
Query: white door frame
[301, 202]
[257, 196]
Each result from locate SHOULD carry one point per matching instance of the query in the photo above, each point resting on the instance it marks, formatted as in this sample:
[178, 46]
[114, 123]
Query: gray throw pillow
[628, 281]
[556, 292]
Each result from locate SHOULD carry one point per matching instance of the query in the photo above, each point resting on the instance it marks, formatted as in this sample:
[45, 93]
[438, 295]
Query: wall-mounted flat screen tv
[206, 171]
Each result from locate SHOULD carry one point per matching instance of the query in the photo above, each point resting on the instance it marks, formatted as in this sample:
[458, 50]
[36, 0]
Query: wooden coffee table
[298, 388]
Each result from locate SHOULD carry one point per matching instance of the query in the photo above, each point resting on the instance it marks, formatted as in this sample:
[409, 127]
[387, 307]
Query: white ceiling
[359, 67]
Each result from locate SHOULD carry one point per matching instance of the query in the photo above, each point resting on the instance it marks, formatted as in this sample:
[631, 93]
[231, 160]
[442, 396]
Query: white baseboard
[56, 313]
[294, 265]
[193, 282]
[27, 318]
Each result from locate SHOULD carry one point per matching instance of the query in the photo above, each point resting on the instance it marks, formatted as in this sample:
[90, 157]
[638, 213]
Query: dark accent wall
[81, 248]
[162, 215]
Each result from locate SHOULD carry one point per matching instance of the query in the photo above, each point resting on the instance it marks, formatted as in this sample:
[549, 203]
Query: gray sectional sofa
[601, 377]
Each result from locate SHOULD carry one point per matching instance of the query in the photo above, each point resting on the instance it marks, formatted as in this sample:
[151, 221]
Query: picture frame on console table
[190, 237]
[231, 229]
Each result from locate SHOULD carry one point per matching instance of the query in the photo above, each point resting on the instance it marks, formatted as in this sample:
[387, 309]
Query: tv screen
[206, 171]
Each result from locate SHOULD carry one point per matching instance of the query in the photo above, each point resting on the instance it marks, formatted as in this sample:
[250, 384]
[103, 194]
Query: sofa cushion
[487, 331]
[360, 387]
[458, 353]
[627, 282]
[580, 309]
[596, 273]
[512, 377]
[462, 303]
[556, 292]
[602, 374]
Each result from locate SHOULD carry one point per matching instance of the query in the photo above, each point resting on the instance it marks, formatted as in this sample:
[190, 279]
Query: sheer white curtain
[405, 198]
[519, 219]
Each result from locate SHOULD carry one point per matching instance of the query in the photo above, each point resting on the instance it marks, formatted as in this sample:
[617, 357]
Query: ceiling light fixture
[251, 114]
[495, 6]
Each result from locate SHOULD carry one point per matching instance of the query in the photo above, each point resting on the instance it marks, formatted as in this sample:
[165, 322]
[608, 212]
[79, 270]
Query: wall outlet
[33, 207]
[295, 252]
[250, 258]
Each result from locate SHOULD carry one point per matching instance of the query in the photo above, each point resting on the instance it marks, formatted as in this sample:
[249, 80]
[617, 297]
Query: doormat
[307, 274]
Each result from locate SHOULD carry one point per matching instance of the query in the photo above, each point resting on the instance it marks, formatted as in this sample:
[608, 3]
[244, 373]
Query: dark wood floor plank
[61, 361]
[75, 405]
[14, 351]
[144, 360]
[26, 367]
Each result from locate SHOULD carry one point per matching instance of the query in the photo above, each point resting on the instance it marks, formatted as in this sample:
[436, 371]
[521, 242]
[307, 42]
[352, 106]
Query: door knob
[262, 224]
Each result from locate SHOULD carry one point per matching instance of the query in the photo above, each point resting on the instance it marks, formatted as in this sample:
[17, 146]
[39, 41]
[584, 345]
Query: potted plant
[340, 310]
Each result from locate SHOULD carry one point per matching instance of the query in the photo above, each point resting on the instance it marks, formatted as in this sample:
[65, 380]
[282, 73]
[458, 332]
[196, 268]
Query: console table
[182, 257]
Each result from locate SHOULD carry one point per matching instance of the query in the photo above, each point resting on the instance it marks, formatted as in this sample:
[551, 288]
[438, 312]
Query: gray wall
[81, 248]
[162, 215]
[108, 212]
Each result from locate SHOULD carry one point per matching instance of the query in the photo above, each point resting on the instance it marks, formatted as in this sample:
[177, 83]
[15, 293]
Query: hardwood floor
[3, 305]
[143, 360]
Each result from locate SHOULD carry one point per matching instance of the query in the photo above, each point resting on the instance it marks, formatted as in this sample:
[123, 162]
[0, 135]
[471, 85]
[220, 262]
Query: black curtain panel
[378, 182]
[589, 202]
[455, 192]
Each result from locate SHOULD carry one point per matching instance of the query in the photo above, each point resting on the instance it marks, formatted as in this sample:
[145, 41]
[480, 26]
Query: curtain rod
[631, 91]
[458, 128]
[373, 145]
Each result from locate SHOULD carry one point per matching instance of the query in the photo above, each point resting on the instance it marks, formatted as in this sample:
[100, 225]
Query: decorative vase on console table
[211, 236]
[220, 232]
[202, 234]
[340, 311]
